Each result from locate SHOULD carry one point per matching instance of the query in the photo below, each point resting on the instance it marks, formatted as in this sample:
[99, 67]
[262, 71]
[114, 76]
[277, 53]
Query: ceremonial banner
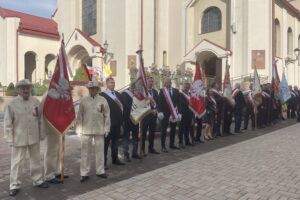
[227, 87]
[284, 91]
[86, 73]
[256, 85]
[58, 108]
[197, 104]
[106, 71]
[140, 101]
[275, 80]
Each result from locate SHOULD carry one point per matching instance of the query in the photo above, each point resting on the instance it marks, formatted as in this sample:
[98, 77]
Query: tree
[79, 76]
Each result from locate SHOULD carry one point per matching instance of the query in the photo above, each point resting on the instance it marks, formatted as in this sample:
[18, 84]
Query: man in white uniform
[93, 123]
[22, 133]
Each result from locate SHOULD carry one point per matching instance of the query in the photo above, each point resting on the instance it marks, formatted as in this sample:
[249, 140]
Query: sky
[42, 8]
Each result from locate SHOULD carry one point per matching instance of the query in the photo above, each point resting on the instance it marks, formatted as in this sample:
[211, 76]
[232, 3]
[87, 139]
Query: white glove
[106, 134]
[160, 116]
[179, 117]
[9, 144]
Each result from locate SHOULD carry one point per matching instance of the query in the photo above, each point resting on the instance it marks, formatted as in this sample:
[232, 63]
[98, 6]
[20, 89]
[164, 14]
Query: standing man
[217, 95]
[238, 108]
[250, 109]
[22, 133]
[127, 96]
[114, 101]
[93, 123]
[187, 115]
[291, 104]
[168, 103]
[149, 122]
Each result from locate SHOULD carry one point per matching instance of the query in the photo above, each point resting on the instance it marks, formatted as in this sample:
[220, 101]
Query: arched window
[211, 20]
[277, 38]
[299, 48]
[89, 17]
[290, 42]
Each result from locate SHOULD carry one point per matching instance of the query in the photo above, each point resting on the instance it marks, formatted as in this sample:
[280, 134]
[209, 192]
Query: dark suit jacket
[162, 103]
[127, 103]
[239, 100]
[155, 97]
[116, 115]
[184, 107]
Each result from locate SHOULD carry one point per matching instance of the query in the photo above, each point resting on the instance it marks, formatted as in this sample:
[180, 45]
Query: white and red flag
[197, 104]
[58, 108]
[140, 101]
[227, 87]
[275, 80]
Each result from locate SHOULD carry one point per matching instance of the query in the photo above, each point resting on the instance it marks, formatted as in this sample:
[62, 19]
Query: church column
[39, 69]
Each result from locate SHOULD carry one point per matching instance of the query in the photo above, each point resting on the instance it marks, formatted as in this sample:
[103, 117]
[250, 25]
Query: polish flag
[58, 108]
[197, 104]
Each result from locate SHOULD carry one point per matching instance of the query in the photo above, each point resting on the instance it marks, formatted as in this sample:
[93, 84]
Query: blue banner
[284, 91]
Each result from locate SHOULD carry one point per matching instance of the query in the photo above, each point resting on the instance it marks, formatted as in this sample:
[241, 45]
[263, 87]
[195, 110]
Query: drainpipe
[17, 54]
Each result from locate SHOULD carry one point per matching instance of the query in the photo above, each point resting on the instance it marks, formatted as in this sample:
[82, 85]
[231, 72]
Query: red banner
[59, 109]
[197, 104]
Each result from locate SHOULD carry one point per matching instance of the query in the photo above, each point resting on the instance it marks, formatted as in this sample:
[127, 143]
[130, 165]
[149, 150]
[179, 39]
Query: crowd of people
[104, 118]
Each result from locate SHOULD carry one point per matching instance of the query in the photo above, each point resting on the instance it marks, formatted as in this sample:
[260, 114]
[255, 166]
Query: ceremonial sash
[152, 101]
[293, 94]
[129, 93]
[187, 97]
[173, 111]
[235, 92]
[265, 94]
[113, 97]
[250, 99]
[211, 99]
[216, 92]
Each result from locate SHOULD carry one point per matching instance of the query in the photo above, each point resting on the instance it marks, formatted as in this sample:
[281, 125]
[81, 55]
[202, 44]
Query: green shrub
[10, 91]
[79, 76]
[38, 89]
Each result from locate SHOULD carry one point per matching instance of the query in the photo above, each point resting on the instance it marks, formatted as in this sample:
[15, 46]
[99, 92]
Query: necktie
[170, 91]
[113, 93]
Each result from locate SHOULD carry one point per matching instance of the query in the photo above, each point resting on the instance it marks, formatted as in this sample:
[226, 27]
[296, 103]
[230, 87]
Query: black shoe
[102, 176]
[153, 151]
[43, 185]
[164, 150]
[136, 156]
[188, 144]
[181, 146]
[54, 181]
[13, 192]
[127, 158]
[106, 168]
[174, 147]
[117, 162]
[59, 176]
[83, 179]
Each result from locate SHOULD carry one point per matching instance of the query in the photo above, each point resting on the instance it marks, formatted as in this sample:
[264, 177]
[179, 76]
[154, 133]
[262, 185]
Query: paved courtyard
[233, 167]
[266, 167]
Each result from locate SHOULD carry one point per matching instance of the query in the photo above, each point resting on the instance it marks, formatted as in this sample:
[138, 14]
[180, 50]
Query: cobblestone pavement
[214, 171]
[266, 167]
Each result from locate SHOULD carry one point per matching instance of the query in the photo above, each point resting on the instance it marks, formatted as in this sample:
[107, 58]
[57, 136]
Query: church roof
[33, 25]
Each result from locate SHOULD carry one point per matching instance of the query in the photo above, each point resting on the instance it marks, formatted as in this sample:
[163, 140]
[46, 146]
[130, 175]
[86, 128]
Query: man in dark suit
[187, 116]
[291, 114]
[165, 109]
[238, 108]
[127, 96]
[114, 101]
[149, 122]
[215, 88]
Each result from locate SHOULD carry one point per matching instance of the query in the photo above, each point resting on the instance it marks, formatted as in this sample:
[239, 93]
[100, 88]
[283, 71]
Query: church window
[89, 17]
[211, 20]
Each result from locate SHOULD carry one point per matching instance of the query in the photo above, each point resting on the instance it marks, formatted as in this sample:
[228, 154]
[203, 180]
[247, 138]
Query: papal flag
[141, 102]
[58, 108]
[227, 88]
[106, 71]
[197, 104]
[284, 91]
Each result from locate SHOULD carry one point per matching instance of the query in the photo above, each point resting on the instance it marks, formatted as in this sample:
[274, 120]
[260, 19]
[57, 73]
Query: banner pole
[62, 159]
[141, 141]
